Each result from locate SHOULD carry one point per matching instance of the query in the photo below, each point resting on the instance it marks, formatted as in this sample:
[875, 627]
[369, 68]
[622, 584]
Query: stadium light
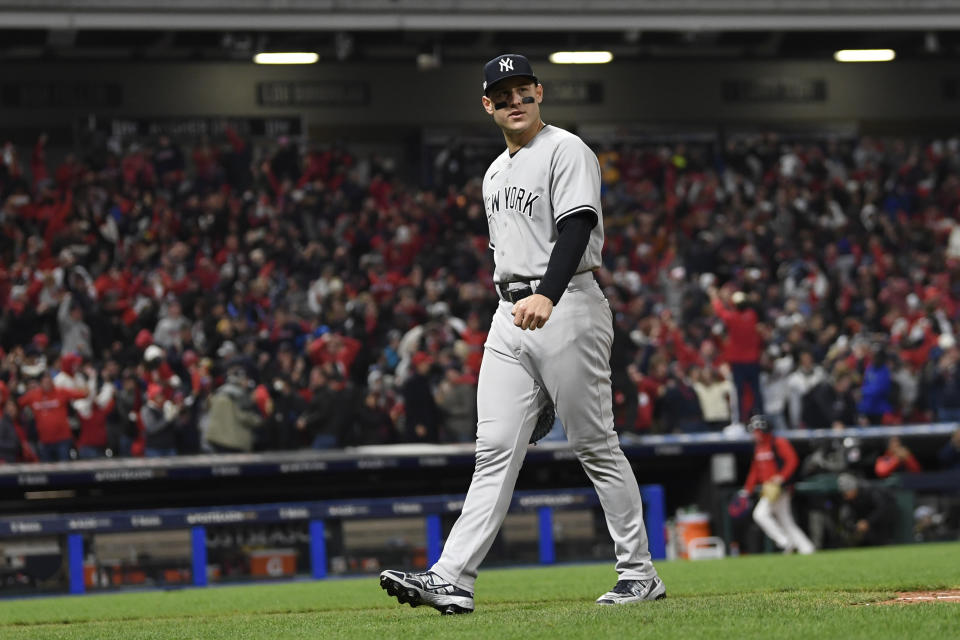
[865, 55]
[288, 57]
[581, 57]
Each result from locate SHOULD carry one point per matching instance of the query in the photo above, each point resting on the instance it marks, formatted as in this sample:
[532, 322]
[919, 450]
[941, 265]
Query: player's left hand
[532, 312]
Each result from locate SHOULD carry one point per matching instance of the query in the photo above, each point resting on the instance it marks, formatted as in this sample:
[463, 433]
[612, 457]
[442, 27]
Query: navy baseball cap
[759, 422]
[506, 66]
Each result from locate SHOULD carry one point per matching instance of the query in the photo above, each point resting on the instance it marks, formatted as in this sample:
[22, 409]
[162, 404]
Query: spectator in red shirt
[332, 347]
[650, 388]
[67, 173]
[897, 458]
[742, 350]
[774, 462]
[49, 407]
[92, 441]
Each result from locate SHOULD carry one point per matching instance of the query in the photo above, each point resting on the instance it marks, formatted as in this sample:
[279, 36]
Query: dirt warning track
[919, 597]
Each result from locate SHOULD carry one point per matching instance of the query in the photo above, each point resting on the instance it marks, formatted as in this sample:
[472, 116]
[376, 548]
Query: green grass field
[770, 597]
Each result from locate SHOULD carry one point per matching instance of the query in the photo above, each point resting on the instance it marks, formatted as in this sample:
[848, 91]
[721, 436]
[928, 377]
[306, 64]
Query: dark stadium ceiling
[454, 46]
[460, 30]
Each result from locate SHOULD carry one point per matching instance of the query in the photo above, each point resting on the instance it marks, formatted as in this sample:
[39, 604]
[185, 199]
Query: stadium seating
[148, 272]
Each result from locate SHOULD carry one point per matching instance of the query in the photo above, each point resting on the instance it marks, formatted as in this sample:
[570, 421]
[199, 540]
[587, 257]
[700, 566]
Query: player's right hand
[532, 312]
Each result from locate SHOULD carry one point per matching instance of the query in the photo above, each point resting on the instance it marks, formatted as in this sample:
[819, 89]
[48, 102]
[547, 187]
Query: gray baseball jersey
[526, 195]
[566, 362]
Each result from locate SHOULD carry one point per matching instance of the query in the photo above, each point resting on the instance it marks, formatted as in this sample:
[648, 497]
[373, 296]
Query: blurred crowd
[809, 281]
[163, 298]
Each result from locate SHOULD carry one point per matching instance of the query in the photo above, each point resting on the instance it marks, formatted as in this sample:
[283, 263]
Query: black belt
[515, 294]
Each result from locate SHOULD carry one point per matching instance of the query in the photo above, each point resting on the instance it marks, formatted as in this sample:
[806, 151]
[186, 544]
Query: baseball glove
[770, 491]
[544, 422]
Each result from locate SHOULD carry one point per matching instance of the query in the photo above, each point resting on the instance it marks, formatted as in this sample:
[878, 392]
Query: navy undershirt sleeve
[574, 236]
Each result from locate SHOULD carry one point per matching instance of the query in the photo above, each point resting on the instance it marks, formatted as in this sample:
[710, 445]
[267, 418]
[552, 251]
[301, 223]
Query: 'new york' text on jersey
[553, 176]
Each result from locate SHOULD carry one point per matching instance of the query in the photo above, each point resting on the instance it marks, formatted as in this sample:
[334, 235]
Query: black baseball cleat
[627, 591]
[427, 588]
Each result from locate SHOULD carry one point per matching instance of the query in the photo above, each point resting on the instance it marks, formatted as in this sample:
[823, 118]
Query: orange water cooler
[691, 526]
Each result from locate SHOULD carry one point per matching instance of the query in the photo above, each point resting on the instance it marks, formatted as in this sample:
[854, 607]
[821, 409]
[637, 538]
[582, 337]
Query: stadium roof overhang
[499, 15]
[457, 30]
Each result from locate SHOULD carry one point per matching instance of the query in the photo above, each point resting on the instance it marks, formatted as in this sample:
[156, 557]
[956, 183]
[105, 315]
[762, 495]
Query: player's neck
[520, 139]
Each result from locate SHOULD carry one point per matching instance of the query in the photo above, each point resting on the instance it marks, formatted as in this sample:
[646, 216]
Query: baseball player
[548, 346]
[774, 461]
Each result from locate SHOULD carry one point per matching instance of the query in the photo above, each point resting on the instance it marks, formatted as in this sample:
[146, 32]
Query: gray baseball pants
[569, 361]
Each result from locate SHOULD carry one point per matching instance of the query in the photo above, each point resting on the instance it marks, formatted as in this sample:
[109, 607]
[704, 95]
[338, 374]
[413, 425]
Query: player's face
[516, 116]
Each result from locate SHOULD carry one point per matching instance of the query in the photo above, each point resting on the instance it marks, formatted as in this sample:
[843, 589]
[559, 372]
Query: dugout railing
[72, 528]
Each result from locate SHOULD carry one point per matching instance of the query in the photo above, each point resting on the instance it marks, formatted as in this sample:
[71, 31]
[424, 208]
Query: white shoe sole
[406, 593]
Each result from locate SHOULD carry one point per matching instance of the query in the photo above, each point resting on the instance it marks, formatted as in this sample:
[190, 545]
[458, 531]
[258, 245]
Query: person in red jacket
[774, 462]
[743, 348]
[897, 458]
[92, 440]
[49, 407]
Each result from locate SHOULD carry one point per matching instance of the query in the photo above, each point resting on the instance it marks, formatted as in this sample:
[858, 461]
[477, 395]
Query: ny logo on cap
[506, 64]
